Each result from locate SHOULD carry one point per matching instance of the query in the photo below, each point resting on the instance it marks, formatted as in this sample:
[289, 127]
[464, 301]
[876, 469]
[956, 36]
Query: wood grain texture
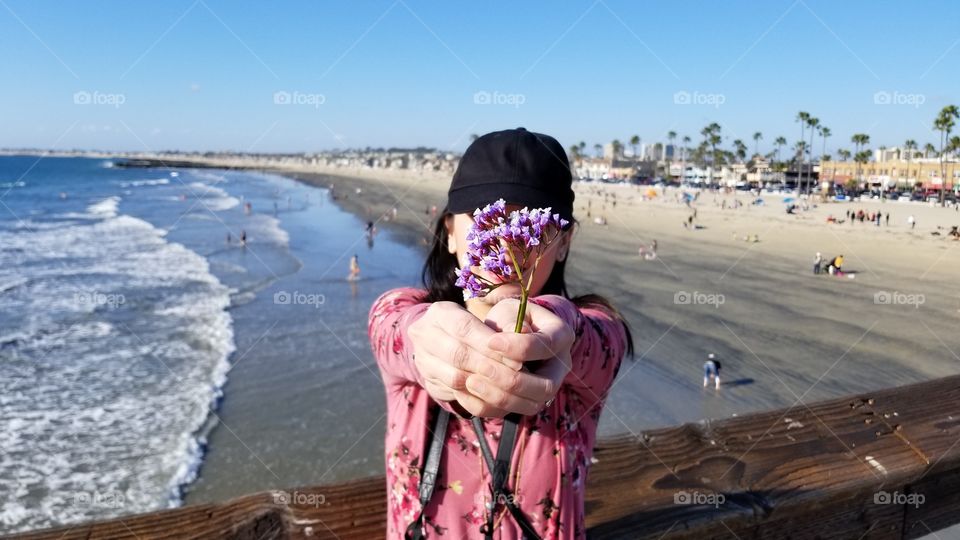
[871, 466]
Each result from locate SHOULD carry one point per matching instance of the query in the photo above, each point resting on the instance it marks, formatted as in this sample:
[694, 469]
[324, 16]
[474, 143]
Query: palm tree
[909, 145]
[945, 123]
[683, 166]
[860, 140]
[844, 154]
[617, 148]
[779, 142]
[671, 136]
[575, 152]
[813, 123]
[583, 147]
[861, 158]
[929, 149]
[825, 133]
[634, 142]
[756, 142]
[803, 117]
[473, 137]
[711, 137]
[598, 148]
[740, 149]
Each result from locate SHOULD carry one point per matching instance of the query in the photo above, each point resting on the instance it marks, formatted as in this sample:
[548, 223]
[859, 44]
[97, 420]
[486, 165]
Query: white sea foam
[213, 197]
[103, 399]
[149, 182]
[106, 208]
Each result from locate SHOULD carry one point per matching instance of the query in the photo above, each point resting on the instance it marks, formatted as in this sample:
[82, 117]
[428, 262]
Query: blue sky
[204, 74]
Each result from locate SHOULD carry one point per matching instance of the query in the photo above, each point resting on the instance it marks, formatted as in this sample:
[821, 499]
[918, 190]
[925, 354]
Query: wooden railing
[878, 465]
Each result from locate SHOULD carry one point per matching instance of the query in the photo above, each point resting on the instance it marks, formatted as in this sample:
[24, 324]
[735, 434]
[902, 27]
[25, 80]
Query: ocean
[126, 298]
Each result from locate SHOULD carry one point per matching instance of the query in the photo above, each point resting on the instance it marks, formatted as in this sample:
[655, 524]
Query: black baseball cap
[516, 165]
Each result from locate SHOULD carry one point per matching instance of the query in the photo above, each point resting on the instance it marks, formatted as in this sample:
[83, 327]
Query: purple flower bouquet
[508, 248]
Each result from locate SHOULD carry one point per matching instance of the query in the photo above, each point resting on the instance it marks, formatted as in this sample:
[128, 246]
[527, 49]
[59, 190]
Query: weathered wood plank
[874, 466]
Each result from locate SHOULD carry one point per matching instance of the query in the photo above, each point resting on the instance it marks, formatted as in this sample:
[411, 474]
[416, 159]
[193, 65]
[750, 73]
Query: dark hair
[439, 279]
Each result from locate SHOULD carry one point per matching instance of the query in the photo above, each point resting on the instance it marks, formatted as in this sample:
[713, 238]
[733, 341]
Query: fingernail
[475, 386]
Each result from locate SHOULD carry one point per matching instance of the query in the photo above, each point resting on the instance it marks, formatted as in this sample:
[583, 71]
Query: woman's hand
[461, 358]
[448, 344]
[546, 341]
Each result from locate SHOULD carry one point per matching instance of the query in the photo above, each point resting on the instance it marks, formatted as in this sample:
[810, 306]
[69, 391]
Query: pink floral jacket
[553, 449]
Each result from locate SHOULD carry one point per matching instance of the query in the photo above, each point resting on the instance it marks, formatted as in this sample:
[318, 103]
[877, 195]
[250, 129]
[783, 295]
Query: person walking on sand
[817, 261]
[912, 222]
[490, 433]
[711, 370]
[354, 268]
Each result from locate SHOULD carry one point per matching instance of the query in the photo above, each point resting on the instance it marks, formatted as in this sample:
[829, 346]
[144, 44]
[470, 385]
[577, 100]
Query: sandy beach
[786, 337]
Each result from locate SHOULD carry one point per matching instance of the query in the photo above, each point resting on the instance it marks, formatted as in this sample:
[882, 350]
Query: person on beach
[455, 375]
[912, 222]
[354, 268]
[711, 371]
[817, 261]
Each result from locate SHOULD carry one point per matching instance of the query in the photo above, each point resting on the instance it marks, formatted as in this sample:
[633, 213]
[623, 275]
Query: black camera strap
[428, 478]
[499, 468]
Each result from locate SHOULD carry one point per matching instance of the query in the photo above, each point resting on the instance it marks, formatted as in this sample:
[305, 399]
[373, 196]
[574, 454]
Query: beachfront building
[613, 168]
[920, 173]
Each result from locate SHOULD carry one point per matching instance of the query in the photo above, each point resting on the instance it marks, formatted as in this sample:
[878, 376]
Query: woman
[445, 360]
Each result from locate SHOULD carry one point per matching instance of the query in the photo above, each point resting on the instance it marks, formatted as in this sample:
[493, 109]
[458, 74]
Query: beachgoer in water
[711, 371]
[354, 268]
[243, 237]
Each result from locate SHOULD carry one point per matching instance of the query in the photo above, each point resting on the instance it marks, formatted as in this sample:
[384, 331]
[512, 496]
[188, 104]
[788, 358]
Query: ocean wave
[105, 208]
[115, 350]
[150, 182]
[212, 197]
